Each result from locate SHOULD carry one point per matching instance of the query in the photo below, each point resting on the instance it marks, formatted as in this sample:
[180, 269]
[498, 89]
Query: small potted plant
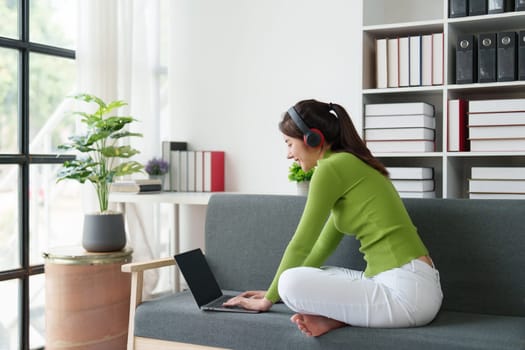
[302, 178]
[100, 162]
[157, 168]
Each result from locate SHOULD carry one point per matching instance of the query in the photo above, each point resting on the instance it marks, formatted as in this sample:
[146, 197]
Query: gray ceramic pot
[104, 232]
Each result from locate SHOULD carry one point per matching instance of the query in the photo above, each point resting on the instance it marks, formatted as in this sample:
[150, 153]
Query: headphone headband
[312, 137]
[298, 120]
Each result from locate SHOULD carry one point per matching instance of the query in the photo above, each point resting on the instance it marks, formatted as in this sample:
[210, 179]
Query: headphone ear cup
[314, 138]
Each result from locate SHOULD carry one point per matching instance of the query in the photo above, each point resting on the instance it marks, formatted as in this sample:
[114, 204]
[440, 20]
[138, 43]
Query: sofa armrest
[137, 282]
[147, 265]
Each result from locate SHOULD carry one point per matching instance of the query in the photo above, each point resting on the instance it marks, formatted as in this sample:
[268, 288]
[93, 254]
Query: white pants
[407, 296]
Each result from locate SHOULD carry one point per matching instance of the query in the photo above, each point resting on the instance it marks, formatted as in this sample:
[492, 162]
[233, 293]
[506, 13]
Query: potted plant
[102, 159]
[157, 168]
[302, 178]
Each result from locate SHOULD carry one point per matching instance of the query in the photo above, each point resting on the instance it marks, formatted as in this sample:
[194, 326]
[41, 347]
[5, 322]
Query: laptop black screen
[198, 276]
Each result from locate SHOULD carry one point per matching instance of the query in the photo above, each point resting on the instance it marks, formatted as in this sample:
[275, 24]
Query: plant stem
[102, 194]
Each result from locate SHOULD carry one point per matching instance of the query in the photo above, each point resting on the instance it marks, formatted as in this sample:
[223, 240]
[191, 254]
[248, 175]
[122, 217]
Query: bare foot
[315, 325]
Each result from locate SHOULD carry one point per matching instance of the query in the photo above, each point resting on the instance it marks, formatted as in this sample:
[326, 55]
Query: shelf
[509, 87]
[484, 154]
[497, 22]
[398, 18]
[410, 89]
[410, 155]
[400, 29]
[463, 155]
[499, 86]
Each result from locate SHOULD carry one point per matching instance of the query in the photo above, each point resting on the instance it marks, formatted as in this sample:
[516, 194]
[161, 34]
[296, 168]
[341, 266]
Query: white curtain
[118, 57]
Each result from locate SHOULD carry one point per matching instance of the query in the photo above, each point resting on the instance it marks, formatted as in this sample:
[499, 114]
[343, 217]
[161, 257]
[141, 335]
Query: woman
[350, 194]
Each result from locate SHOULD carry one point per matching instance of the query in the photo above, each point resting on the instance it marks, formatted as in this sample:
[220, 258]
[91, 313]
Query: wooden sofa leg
[135, 300]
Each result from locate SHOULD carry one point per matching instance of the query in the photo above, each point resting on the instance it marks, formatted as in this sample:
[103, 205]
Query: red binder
[213, 171]
[457, 126]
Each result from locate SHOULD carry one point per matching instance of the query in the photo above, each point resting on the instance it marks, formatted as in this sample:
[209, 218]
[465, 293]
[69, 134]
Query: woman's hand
[251, 300]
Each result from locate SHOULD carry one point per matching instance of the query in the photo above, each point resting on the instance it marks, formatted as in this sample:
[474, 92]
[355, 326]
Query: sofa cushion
[177, 318]
[477, 246]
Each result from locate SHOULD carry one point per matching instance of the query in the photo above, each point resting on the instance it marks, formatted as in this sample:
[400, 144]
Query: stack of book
[137, 186]
[168, 149]
[193, 171]
[497, 125]
[409, 61]
[400, 127]
[497, 183]
[413, 182]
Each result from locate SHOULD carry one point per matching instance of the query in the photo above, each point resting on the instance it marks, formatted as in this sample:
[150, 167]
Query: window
[37, 73]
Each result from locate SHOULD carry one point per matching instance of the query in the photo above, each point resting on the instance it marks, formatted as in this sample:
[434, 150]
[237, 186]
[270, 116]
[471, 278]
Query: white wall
[237, 65]
[240, 64]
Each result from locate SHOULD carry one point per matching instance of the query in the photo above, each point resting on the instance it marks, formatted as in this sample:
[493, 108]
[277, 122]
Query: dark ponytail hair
[337, 127]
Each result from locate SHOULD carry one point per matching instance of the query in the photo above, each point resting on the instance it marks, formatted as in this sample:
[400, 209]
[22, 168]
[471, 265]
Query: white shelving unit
[396, 18]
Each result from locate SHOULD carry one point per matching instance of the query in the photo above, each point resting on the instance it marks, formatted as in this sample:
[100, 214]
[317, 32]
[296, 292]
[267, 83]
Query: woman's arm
[325, 245]
[325, 189]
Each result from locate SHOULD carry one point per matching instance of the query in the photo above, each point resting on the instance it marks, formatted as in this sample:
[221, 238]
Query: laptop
[202, 282]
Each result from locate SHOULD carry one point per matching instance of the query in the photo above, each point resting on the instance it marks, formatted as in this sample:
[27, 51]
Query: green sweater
[347, 196]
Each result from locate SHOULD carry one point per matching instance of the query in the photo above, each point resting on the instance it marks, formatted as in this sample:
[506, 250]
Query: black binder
[457, 8]
[498, 6]
[487, 43]
[521, 56]
[466, 59]
[520, 5]
[507, 56]
[477, 7]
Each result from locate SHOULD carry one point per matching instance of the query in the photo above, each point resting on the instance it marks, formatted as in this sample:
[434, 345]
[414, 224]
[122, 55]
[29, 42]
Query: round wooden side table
[87, 299]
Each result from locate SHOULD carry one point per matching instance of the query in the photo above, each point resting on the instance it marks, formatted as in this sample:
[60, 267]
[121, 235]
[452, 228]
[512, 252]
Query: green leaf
[79, 170]
[120, 151]
[115, 104]
[90, 98]
[125, 134]
[127, 168]
[296, 173]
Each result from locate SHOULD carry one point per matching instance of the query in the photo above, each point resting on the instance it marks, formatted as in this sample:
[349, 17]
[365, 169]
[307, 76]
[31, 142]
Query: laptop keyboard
[219, 301]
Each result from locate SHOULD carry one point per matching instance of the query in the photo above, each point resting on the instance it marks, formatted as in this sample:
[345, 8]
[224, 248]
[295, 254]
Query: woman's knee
[294, 280]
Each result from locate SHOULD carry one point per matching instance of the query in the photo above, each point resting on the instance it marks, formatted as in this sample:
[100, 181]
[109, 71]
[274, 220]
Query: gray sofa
[478, 246]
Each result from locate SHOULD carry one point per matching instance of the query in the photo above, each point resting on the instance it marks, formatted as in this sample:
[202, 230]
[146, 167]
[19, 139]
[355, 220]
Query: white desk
[192, 198]
[175, 198]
